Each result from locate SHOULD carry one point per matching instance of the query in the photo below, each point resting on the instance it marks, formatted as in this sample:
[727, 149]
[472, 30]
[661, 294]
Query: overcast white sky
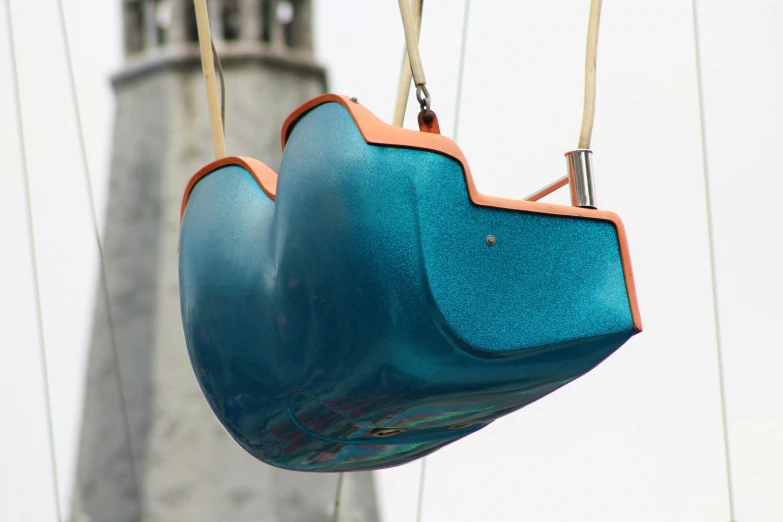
[640, 437]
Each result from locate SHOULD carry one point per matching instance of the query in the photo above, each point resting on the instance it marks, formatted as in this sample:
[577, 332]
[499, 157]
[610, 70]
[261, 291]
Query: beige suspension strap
[591, 58]
[581, 157]
[406, 75]
[412, 43]
[208, 66]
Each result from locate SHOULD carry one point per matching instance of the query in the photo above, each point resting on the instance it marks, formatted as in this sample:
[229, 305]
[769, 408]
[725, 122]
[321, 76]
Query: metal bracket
[579, 179]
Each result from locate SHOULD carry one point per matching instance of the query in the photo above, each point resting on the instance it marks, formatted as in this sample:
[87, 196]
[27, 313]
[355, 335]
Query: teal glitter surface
[367, 298]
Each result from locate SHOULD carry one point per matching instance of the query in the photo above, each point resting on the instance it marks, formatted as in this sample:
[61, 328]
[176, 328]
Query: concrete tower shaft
[187, 467]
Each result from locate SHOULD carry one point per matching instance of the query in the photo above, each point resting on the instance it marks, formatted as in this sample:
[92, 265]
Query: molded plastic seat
[350, 313]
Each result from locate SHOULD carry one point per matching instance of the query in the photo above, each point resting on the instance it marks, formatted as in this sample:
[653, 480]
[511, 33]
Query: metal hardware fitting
[580, 178]
[535, 196]
[423, 96]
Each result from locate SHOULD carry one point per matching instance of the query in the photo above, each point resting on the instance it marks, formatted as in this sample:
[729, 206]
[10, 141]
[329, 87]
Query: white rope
[588, 114]
[336, 513]
[412, 42]
[406, 75]
[208, 67]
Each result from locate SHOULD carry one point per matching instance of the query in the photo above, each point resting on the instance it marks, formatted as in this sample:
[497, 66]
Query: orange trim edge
[264, 176]
[376, 132]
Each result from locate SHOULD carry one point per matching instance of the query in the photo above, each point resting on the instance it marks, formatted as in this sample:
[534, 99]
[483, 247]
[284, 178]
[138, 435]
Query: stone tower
[186, 467]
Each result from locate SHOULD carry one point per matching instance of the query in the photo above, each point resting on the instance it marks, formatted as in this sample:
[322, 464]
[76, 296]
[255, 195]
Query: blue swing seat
[352, 312]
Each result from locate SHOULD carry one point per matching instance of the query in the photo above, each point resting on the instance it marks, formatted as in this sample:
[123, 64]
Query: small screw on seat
[491, 240]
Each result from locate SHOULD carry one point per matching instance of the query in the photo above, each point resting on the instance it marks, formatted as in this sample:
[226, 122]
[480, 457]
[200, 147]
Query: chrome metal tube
[580, 178]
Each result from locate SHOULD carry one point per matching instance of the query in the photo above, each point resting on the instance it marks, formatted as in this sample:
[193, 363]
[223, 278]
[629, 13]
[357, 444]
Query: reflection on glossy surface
[366, 297]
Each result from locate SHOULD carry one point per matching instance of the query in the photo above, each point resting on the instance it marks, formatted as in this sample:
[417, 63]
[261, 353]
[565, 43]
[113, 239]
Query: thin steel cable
[34, 258]
[711, 234]
[420, 506]
[102, 264]
[460, 78]
[219, 68]
[461, 73]
[336, 516]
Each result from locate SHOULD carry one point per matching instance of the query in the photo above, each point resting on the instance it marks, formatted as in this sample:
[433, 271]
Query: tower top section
[159, 33]
[153, 24]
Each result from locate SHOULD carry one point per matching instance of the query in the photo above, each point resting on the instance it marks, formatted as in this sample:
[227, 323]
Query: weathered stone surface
[188, 467]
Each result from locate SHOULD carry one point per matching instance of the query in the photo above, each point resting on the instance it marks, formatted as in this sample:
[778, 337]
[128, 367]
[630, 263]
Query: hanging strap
[591, 58]
[208, 66]
[588, 112]
[412, 42]
[406, 75]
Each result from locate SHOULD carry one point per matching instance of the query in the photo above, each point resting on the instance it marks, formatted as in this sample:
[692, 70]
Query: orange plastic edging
[376, 132]
[264, 176]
